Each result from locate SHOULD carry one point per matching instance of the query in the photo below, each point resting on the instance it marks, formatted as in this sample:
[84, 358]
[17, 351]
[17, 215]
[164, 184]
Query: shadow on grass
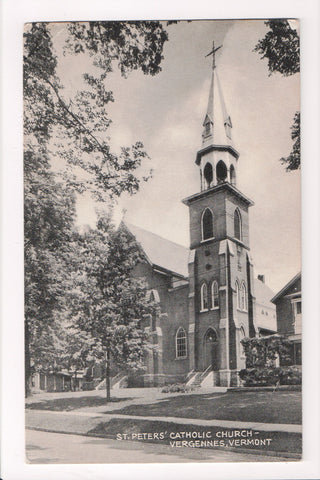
[73, 403]
[266, 407]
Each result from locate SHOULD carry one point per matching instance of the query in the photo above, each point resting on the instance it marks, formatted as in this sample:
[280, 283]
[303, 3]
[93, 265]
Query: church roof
[160, 251]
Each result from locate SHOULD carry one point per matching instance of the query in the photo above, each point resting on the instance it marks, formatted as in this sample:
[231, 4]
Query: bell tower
[221, 297]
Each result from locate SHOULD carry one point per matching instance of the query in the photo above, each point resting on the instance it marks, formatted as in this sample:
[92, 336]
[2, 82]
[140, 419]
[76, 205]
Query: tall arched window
[207, 224]
[243, 295]
[238, 295]
[204, 297]
[237, 224]
[181, 343]
[214, 295]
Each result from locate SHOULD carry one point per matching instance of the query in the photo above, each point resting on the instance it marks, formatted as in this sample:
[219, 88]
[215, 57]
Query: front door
[210, 354]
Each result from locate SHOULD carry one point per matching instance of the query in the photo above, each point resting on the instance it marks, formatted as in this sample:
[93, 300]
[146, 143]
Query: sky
[166, 113]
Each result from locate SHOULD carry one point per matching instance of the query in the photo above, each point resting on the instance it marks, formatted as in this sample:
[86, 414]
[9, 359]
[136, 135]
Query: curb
[267, 453]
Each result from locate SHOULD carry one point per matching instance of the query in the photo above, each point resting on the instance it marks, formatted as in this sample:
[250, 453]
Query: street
[46, 447]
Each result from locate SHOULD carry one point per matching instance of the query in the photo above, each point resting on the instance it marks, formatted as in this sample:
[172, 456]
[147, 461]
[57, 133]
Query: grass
[68, 404]
[264, 406]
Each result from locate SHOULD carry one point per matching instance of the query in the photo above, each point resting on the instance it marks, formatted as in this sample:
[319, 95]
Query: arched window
[214, 295]
[243, 294]
[233, 175]
[207, 224]
[238, 295]
[241, 337]
[237, 224]
[221, 171]
[204, 297]
[208, 174]
[181, 343]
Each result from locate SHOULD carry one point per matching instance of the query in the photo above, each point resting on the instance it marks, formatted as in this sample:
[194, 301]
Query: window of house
[207, 224]
[237, 224]
[214, 294]
[298, 307]
[181, 343]
[204, 297]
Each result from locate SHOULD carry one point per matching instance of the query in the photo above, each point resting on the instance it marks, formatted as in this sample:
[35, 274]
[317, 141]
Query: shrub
[177, 388]
[263, 351]
[267, 376]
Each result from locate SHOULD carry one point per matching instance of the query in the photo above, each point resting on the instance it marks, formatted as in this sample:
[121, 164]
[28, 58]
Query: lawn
[67, 404]
[263, 406]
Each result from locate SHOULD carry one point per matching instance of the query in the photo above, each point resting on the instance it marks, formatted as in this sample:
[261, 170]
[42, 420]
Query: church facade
[206, 294]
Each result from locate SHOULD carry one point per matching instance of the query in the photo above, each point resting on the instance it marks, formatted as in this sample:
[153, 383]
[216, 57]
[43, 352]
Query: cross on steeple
[213, 53]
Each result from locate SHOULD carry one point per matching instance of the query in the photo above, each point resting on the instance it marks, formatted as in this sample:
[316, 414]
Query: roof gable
[161, 252]
[294, 282]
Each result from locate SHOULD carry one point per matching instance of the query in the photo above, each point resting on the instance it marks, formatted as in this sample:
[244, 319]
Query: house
[208, 297]
[289, 315]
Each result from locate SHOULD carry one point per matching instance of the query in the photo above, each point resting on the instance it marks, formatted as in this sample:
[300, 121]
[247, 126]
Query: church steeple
[217, 157]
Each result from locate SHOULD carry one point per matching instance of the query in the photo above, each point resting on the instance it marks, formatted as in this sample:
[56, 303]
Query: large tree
[108, 303]
[281, 47]
[75, 130]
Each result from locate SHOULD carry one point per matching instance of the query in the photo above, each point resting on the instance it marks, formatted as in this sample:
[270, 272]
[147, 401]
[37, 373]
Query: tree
[80, 124]
[49, 216]
[108, 303]
[281, 47]
[74, 130]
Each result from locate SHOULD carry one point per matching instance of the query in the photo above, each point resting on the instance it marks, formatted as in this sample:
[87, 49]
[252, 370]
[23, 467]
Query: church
[207, 295]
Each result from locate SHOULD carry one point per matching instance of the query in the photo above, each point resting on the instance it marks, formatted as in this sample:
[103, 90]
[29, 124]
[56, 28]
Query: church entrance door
[210, 351]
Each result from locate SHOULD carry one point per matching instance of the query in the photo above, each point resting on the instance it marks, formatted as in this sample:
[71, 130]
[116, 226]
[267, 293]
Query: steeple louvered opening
[221, 172]
[208, 175]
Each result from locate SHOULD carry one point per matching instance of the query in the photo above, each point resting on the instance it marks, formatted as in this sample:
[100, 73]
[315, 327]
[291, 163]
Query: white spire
[217, 123]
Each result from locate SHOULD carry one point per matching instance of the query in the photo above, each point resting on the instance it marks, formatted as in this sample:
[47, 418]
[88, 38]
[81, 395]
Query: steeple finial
[213, 53]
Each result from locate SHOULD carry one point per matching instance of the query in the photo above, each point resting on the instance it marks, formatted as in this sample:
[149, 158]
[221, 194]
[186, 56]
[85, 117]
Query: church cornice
[222, 186]
[221, 148]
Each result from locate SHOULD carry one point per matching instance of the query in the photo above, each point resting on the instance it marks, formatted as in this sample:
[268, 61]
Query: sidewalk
[282, 440]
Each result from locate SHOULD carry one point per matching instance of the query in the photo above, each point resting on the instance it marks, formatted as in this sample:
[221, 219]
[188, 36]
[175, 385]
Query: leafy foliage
[261, 354]
[107, 303]
[267, 376]
[263, 351]
[281, 47]
[74, 129]
[292, 162]
[81, 122]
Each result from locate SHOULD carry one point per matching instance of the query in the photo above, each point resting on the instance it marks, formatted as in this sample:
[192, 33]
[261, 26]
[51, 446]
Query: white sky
[166, 113]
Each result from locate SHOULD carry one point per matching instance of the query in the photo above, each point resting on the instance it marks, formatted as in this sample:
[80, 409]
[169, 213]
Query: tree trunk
[108, 386]
[27, 362]
[75, 380]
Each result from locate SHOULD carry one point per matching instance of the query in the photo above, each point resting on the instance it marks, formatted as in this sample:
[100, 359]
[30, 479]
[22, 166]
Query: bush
[267, 376]
[177, 388]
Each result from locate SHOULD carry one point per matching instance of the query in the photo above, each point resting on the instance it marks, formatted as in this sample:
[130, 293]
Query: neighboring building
[207, 295]
[289, 315]
[266, 320]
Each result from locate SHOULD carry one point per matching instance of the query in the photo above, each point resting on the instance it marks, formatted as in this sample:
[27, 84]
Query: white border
[14, 14]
